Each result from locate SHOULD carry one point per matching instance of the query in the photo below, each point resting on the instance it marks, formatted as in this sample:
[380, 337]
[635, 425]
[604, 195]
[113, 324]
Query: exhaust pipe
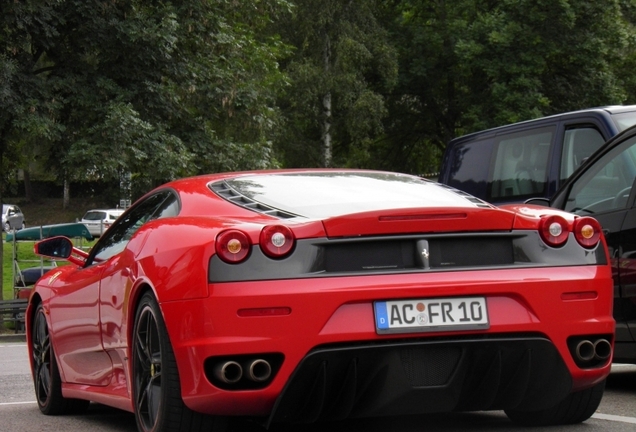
[228, 372]
[602, 349]
[258, 370]
[585, 350]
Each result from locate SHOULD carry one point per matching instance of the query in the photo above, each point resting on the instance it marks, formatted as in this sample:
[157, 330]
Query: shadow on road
[622, 379]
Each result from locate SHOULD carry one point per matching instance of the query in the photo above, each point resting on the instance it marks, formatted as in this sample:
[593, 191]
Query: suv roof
[604, 111]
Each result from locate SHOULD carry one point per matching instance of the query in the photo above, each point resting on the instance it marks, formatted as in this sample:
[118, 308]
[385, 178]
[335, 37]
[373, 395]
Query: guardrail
[14, 310]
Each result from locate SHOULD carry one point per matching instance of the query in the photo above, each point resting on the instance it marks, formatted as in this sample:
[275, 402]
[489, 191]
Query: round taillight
[276, 241]
[553, 230]
[232, 246]
[587, 231]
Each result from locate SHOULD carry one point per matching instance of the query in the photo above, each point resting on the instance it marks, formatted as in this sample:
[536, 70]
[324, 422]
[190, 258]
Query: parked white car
[98, 221]
[12, 217]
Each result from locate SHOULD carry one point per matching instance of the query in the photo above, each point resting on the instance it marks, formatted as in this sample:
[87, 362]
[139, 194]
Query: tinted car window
[117, 237]
[469, 166]
[578, 145]
[520, 164]
[607, 184]
[94, 215]
[624, 120]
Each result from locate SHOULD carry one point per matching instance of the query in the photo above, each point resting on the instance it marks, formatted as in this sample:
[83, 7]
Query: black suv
[604, 188]
[529, 159]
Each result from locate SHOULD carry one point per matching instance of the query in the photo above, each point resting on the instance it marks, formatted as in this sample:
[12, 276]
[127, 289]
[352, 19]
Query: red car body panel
[91, 311]
[331, 311]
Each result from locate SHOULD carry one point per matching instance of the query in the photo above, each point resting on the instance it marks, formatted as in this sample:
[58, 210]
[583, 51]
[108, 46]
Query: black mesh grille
[455, 252]
[429, 367]
[436, 253]
[365, 256]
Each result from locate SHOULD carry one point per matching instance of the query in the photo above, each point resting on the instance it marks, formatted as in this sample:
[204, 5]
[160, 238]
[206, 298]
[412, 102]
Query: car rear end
[397, 311]
[98, 221]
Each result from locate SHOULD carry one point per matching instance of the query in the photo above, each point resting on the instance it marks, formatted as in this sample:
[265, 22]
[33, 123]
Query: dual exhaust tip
[231, 372]
[592, 352]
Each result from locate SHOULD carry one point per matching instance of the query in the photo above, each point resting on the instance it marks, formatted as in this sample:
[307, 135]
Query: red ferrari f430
[311, 295]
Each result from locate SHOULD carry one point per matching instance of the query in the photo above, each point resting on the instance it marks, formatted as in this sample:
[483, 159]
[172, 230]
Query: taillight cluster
[554, 231]
[234, 246]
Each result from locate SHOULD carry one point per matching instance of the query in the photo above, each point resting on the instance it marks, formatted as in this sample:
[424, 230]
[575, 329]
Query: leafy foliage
[105, 88]
[99, 89]
[468, 65]
[342, 51]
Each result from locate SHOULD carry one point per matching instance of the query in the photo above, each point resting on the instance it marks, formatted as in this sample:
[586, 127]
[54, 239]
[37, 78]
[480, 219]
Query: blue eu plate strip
[381, 316]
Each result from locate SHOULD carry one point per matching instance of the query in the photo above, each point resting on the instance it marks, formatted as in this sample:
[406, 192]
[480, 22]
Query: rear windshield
[94, 215]
[320, 195]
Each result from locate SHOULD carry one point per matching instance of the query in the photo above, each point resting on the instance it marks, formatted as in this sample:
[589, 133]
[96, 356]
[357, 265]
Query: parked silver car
[98, 221]
[12, 218]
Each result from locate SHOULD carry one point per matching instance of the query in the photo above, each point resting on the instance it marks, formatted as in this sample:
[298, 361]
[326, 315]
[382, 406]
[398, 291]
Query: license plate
[427, 315]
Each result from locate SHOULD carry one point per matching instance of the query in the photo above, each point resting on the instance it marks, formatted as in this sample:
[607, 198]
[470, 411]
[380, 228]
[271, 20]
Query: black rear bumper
[334, 383]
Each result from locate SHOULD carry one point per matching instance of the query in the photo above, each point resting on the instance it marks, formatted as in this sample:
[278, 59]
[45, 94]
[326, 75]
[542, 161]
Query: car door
[605, 190]
[117, 249]
[76, 327]
[627, 266]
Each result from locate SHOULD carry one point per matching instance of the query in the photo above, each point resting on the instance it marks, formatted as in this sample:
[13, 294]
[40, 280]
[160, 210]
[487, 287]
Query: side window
[606, 185]
[168, 208]
[468, 166]
[520, 164]
[578, 144]
[117, 237]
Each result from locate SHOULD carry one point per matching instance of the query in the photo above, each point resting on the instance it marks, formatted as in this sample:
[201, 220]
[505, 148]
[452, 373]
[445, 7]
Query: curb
[17, 337]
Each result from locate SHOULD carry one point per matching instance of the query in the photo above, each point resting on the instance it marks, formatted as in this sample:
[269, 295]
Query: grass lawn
[42, 212]
[26, 259]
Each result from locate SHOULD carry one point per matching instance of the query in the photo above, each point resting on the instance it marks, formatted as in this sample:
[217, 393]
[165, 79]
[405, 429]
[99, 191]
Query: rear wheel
[575, 408]
[157, 391]
[46, 375]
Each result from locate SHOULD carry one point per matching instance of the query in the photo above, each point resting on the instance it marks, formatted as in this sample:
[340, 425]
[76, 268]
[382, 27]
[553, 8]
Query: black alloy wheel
[46, 375]
[156, 385]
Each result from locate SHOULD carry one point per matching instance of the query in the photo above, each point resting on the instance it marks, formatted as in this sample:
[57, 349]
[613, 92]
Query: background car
[98, 221]
[315, 295]
[12, 218]
[604, 188]
[512, 163]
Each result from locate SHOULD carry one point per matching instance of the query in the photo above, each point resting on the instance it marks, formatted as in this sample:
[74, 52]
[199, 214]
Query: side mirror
[55, 247]
[543, 202]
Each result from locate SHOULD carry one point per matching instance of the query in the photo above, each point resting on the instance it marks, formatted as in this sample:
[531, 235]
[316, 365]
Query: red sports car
[310, 295]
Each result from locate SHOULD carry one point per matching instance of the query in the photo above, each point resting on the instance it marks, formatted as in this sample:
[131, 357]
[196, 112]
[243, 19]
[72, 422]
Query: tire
[7, 227]
[156, 387]
[575, 408]
[46, 375]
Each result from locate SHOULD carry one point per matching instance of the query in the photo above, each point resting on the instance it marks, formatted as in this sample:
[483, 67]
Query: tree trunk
[67, 193]
[28, 189]
[326, 104]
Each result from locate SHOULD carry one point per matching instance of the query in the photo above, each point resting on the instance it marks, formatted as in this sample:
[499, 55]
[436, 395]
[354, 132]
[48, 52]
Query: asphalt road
[19, 412]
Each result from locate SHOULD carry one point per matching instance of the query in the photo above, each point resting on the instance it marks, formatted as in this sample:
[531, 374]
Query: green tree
[342, 66]
[153, 88]
[467, 65]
